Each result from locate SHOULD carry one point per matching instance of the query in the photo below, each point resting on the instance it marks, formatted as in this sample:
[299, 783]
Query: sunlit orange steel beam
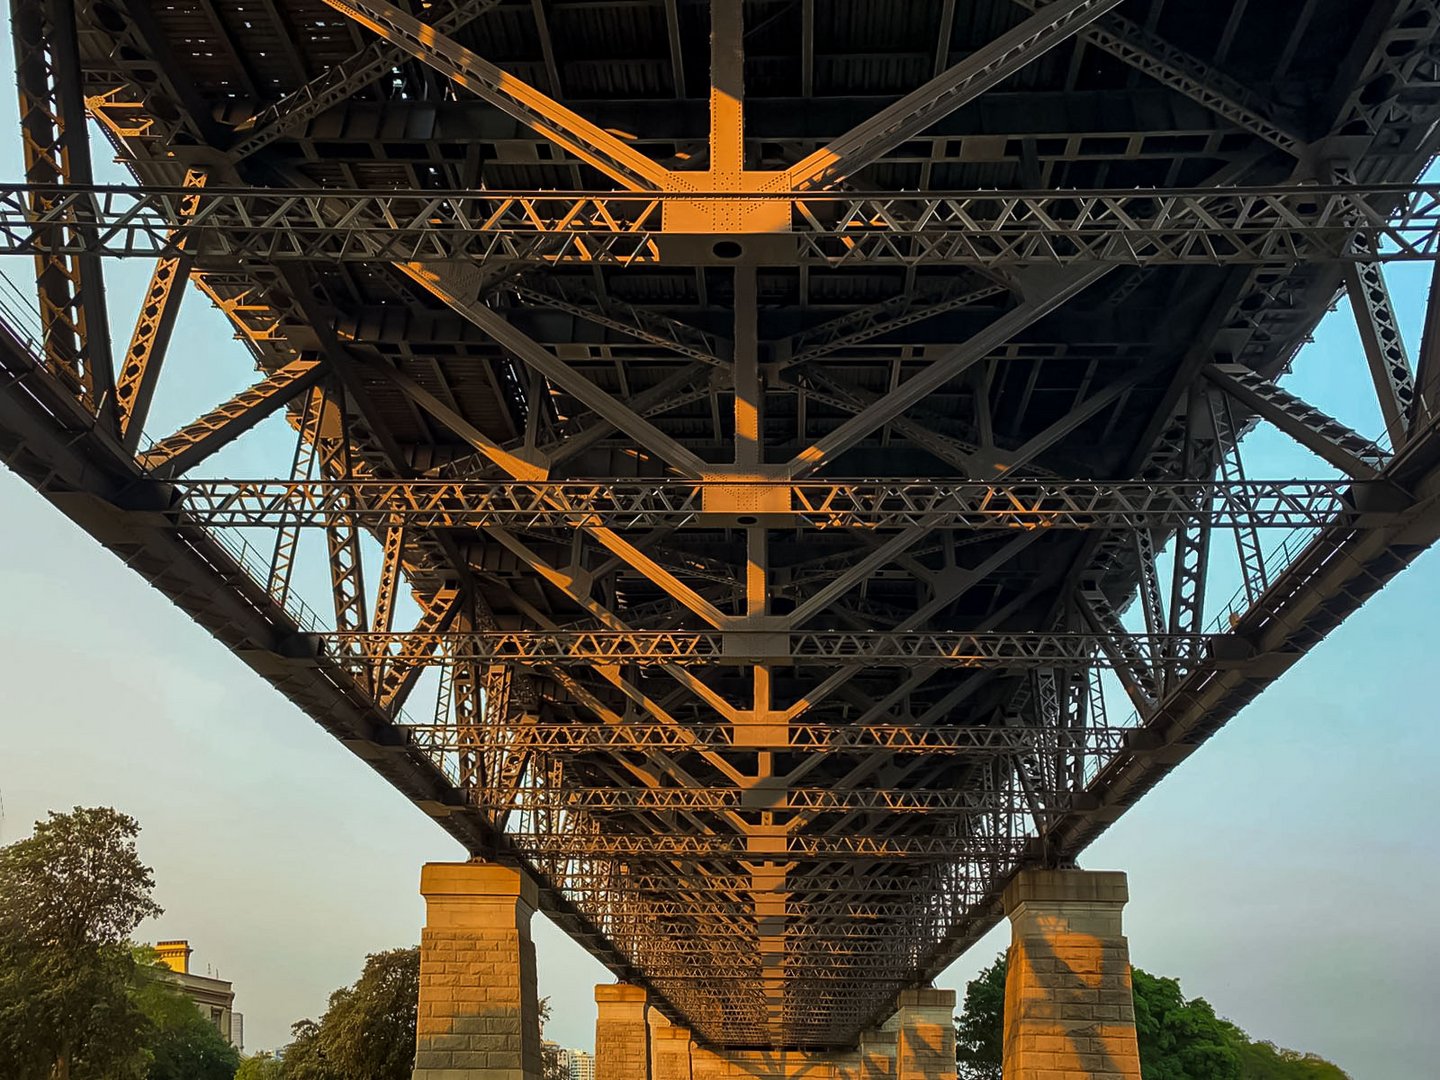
[140, 366]
[196, 441]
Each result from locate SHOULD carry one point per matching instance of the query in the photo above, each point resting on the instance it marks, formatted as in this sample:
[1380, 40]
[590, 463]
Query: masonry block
[1069, 1009]
[670, 1049]
[478, 1011]
[622, 1033]
[924, 1025]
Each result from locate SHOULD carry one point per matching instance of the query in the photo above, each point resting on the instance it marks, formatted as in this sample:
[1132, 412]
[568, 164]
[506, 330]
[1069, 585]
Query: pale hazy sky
[1288, 872]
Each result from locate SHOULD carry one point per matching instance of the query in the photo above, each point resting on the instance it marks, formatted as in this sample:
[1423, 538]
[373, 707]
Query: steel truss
[578, 738]
[829, 504]
[743, 645]
[1239, 226]
[577, 418]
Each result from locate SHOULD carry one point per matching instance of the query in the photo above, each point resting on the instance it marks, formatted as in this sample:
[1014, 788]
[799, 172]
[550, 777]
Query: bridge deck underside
[773, 742]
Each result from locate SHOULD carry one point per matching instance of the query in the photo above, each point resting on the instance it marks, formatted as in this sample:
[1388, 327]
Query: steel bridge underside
[767, 458]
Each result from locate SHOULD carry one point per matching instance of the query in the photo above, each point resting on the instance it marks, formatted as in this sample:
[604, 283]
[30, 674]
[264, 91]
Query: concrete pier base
[479, 1016]
[1069, 1010]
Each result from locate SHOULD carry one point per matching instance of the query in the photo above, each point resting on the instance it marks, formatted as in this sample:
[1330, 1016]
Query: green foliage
[552, 1066]
[980, 1029]
[70, 896]
[369, 1028]
[261, 1066]
[78, 881]
[1266, 1061]
[183, 1044]
[305, 1056]
[1179, 1039]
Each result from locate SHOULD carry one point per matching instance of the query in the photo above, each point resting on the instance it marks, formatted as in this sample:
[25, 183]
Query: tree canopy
[183, 1044]
[70, 896]
[552, 1065]
[1179, 1038]
[1266, 1061]
[261, 1066]
[980, 1027]
[368, 1029]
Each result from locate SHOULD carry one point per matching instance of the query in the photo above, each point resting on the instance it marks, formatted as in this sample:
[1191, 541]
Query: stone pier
[479, 1016]
[671, 1050]
[622, 1032]
[916, 1043]
[925, 1035]
[1069, 1010]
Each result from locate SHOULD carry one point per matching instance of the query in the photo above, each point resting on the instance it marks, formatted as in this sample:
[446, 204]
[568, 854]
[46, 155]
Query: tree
[1266, 1061]
[261, 1066]
[70, 896]
[1179, 1038]
[552, 1065]
[305, 1056]
[183, 1044]
[368, 1029]
[980, 1028]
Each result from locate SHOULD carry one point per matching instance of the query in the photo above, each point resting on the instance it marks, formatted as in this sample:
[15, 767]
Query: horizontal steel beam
[777, 799]
[683, 847]
[1068, 118]
[892, 738]
[819, 504]
[1205, 226]
[863, 914]
[952, 649]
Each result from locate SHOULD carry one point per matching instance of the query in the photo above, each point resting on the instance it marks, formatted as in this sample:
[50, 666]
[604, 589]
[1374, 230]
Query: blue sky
[1287, 872]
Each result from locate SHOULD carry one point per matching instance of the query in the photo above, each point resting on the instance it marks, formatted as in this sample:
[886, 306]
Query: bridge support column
[622, 1033]
[479, 1015]
[1069, 1010]
[877, 1053]
[670, 1049]
[925, 1042]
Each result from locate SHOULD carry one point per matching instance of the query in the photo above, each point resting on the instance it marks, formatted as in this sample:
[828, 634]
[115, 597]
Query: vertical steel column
[302, 467]
[1232, 472]
[391, 573]
[342, 535]
[140, 368]
[1192, 541]
[74, 324]
[727, 92]
[1385, 353]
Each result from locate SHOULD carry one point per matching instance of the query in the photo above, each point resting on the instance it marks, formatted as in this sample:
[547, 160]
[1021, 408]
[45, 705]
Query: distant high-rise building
[215, 998]
[582, 1064]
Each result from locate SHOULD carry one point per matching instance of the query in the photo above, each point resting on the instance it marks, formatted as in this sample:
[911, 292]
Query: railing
[20, 316]
[257, 569]
[1275, 561]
